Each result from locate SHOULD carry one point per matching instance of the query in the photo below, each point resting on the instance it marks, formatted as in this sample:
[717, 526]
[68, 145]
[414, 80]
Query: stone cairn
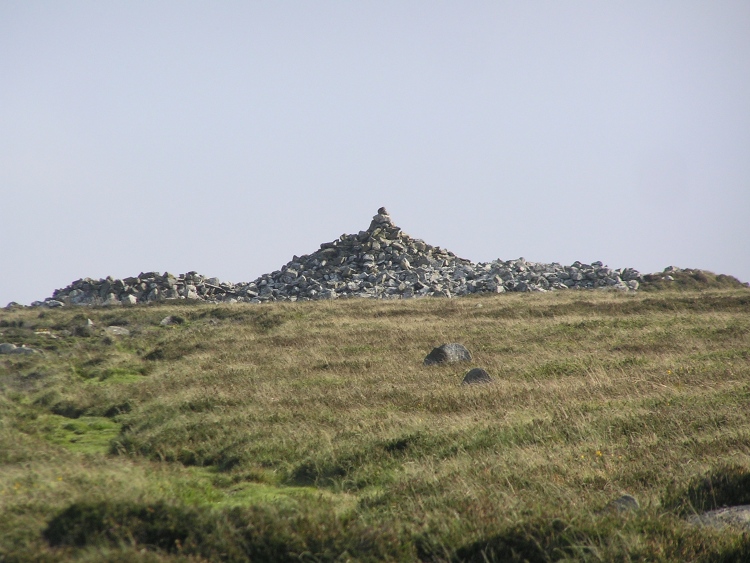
[382, 262]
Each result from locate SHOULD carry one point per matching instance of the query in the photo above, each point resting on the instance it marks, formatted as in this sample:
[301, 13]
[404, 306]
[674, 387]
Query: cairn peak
[381, 220]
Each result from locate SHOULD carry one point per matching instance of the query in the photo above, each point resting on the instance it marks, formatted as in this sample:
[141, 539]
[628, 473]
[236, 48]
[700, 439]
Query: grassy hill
[313, 432]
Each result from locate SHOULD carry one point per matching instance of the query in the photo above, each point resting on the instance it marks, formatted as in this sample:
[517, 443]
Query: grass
[312, 431]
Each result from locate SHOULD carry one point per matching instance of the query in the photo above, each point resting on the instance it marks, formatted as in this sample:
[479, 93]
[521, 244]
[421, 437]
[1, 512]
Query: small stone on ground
[476, 376]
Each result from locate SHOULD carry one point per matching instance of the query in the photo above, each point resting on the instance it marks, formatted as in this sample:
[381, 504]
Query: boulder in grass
[733, 516]
[171, 320]
[625, 503]
[8, 348]
[448, 354]
[476, 376]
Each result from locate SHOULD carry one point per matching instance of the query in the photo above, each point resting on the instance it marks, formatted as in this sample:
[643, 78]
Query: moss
[83, 434]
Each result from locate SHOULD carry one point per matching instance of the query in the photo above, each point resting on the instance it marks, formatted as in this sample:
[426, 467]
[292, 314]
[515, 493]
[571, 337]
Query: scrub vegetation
[313, 432]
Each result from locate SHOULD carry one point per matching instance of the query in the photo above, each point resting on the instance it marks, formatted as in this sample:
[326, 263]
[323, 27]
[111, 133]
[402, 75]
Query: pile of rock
[381, 262]
[145, 287]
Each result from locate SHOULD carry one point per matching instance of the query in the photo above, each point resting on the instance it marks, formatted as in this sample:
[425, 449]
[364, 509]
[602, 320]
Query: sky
[226, 137]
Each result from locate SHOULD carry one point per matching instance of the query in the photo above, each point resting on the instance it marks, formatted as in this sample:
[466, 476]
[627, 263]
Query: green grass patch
[87, 434]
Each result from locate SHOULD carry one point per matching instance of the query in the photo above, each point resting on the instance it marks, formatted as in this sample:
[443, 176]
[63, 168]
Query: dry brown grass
[594, 395]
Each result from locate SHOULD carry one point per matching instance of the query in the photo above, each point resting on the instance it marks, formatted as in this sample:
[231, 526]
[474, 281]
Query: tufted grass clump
[689, 279]
[313, 431]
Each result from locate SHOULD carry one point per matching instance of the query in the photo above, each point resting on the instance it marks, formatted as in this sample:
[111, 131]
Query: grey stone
[448, 354]
[8, 348]
[171, 320]
[733, 516]
[476, 376]
[117, 331]
[624, 503]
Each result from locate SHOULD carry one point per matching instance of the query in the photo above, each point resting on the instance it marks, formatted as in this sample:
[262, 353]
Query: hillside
[313, 431]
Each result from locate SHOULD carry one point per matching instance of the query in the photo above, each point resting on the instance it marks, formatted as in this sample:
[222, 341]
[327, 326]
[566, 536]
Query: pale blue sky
[225, 137]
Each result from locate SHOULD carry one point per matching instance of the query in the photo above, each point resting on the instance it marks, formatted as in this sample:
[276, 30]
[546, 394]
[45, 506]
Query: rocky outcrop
[381, 262]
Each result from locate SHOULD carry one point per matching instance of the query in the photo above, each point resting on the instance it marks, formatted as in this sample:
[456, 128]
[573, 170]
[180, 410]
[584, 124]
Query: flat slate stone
[476, 376]
[448, 354]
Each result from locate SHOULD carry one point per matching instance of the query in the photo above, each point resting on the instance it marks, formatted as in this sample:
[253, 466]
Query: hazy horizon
[225, 138]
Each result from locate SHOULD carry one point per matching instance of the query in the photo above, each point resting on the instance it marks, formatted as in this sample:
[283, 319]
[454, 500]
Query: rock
[734, 516]
[476, 376]
[625, 503]
[117, 331]
[171, 320]
[448, 354]
[8, 348]
[381, 262]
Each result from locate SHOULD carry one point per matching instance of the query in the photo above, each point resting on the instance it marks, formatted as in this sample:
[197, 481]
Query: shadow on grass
[728, 485]
[541, 542]
[262, 533]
